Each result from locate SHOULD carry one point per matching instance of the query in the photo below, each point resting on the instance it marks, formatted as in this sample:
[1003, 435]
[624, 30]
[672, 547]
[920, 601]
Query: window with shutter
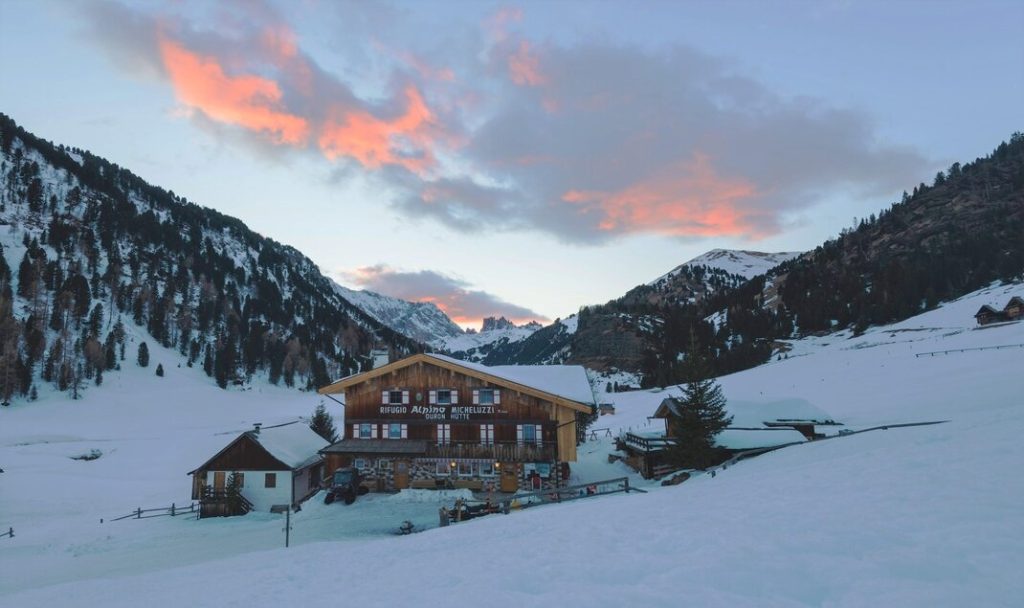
[539, 432]
[432, 397]
[444, 433]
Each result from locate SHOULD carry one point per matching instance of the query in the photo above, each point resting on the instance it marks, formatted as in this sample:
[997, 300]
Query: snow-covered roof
[568, 381]
[749, 439]
[756, 413]
[294, 444]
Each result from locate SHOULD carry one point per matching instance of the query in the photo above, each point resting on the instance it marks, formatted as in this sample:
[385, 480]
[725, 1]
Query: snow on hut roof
[294, 443]
[756, 413]
[749, 439]
[568, 381]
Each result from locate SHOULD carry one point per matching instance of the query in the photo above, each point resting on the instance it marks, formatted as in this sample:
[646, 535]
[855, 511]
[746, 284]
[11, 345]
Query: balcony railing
[646, 443]
[498, 451]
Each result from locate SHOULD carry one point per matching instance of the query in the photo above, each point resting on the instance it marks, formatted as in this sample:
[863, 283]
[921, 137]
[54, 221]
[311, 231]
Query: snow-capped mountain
[421, 321]
[747, 264]
[494, 333]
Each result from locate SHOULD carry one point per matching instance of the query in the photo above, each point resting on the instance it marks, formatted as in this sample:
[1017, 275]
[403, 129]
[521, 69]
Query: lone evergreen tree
[143, 355]
[323, 424]
[698, 414]
[233, 494]
[160, 369]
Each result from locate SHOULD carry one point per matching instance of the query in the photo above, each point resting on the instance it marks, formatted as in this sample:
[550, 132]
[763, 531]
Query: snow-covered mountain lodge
[432, 421]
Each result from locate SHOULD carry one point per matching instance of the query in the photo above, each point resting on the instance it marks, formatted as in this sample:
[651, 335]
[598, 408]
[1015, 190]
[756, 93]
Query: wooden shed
[274, 465]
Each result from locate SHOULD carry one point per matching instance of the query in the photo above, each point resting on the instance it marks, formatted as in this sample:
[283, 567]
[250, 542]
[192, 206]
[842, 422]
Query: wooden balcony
[646, 443]
[498, 451]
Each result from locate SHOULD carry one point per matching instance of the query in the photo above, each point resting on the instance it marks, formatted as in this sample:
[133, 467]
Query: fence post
[138, 513]
[627, 485]
[172, 509]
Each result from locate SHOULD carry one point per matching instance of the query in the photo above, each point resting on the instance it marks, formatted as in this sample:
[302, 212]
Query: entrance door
[509, 477]
[218, 481]
[401, 474]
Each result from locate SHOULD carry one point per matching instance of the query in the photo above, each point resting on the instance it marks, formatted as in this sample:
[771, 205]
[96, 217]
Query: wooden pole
[287, 526]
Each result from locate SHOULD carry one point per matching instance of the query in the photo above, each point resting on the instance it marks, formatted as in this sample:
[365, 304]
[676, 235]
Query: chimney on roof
[256, 427]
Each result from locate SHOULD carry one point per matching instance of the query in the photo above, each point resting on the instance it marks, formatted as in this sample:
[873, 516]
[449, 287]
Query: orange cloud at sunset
[687, 199]
[252, 102]
[524, 66]
[374, 141]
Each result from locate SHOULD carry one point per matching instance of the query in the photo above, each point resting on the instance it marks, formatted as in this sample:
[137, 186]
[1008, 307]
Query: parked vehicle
[345, 485]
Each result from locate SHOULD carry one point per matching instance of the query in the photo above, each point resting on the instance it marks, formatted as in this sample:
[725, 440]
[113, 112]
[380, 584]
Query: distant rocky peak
[494, 324]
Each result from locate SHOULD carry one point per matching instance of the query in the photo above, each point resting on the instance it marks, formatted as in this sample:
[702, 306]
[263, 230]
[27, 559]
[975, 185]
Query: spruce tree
[160, 369]
[698, 414]
[143, 355]
[323, 424]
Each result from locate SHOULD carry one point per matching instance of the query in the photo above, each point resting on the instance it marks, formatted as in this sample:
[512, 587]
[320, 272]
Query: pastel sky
[521, 159]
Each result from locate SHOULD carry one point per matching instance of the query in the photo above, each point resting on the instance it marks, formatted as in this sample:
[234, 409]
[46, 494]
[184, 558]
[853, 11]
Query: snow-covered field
[922, 516]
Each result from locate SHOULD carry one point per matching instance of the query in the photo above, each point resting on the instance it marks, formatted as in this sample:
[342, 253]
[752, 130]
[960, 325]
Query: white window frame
[444, 396]
[493, 393]
[465, 468]
[369, 428]
[359, 464]
[383, 464]
[389, 396]
[487, 469]
[487, 434]
[401, 429]
[444, 433]
[441, 468]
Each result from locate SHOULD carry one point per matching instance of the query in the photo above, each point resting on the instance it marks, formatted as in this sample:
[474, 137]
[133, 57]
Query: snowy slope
[747, 264]
[922, 516]
[421, 321]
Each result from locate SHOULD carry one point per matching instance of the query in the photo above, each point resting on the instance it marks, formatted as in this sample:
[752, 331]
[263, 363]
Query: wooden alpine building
[431, 421]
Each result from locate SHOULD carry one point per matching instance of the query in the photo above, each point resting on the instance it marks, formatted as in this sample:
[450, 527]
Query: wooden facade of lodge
[430, 421]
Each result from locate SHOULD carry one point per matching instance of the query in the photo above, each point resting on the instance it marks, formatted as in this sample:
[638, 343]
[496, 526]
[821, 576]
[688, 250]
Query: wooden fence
[173, 510]
[964, 350]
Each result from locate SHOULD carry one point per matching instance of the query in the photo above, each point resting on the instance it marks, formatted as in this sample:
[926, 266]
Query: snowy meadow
[919, 516]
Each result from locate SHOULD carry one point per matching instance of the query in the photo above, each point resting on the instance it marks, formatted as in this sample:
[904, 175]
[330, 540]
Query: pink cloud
[688, 198]
[404, 140]
[524, 66]
[249, 101]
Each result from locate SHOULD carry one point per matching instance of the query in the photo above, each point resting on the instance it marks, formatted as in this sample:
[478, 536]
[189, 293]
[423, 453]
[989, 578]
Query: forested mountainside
[939, 242]
[89, 247]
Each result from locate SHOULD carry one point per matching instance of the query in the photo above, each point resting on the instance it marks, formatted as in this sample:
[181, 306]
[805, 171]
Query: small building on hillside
[755, 425]
[431, 421]
[1014, 309]
[986, 314]
[274, 465]
[605, 409]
